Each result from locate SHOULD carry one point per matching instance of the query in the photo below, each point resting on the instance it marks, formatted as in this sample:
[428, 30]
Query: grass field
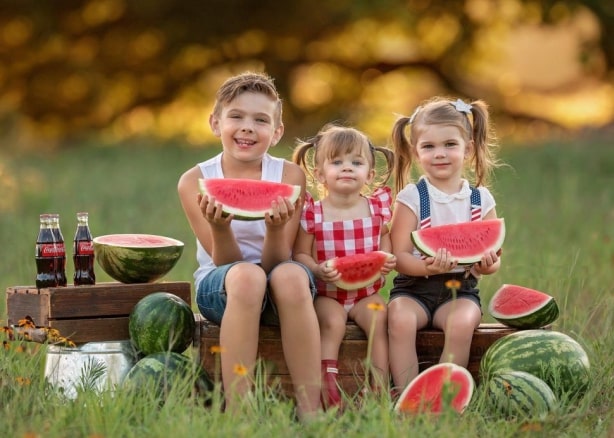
[558, 204]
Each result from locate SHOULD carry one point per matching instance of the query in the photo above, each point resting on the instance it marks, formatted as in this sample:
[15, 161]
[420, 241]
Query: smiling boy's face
[247, 125]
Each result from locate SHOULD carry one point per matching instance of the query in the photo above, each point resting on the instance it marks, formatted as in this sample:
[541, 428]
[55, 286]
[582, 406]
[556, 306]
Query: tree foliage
[127, 67]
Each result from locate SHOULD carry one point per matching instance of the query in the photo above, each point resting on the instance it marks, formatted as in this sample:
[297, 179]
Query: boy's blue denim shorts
[211, 295]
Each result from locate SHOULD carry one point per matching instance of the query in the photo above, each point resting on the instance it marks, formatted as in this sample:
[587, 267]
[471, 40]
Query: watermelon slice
[247, 199]
[523, 308]
[359, 270]
[440, 387]
[467, 241]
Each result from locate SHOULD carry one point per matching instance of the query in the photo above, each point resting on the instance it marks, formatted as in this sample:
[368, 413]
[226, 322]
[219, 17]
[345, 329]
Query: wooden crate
[351, 354]
[86, 313]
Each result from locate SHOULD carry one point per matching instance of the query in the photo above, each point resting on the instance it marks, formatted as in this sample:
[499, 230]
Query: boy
[245, 267]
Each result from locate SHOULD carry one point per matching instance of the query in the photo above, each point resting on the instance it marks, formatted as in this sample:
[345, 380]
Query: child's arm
[281, 228]
[303, 253]
[404, 221]
[385, 244]
[210, 228]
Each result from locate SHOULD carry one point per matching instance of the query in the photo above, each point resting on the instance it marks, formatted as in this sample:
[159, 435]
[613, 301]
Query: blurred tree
[124, 68]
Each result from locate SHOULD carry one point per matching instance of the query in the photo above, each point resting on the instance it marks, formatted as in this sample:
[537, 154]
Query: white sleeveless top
[249, 234]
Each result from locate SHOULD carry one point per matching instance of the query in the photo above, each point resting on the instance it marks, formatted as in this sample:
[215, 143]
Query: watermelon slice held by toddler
[466, 241]
[359, 270]
[440, 387]
[523, 308]
[247, 199]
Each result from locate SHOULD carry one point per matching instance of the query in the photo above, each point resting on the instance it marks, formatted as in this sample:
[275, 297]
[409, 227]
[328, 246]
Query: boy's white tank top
[249, 234]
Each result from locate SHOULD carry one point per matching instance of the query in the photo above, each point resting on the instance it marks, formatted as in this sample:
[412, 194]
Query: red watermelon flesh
[247, 199]
[522, 307]
[440, 387]
[466, 241]
[359, 270]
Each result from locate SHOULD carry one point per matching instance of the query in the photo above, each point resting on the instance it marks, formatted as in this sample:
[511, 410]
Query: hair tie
[461, 106]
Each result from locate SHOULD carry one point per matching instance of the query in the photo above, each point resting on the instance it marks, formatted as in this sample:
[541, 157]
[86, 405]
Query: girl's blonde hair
[472, 120]
[333, 141]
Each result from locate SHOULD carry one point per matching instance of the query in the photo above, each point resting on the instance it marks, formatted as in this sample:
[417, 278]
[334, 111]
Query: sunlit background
[119, 70]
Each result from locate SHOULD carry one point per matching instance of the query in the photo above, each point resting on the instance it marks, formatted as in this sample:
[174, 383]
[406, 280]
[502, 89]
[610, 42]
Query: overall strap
[476, 204]
[425, 204]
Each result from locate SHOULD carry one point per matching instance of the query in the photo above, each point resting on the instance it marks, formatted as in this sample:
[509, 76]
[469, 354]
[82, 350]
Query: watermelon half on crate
[523, 308]
[359, 270]
[137, 258]
[466, 241]
[436, 389]
[247, 199]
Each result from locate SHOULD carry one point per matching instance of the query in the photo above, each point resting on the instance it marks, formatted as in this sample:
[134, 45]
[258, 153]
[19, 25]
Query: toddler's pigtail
[402, 153]
[484, 142]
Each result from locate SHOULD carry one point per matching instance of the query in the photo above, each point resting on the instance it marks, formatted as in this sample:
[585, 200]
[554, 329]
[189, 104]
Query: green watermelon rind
[536, 317]
[366, 260]
[161, 322]
[454, 237]
[520, 394]
[454, 369]
[160, 371]
[293, 193]
[554, 357]
[136, 264]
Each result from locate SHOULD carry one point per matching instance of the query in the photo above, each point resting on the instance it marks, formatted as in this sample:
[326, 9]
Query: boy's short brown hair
[248, 82]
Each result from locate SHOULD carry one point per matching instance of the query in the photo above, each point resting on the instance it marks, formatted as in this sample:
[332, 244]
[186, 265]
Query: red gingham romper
[348, 237]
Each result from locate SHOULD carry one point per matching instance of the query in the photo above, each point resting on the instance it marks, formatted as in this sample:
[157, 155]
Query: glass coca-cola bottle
[60, 250]
[83, 252]
[45, 254]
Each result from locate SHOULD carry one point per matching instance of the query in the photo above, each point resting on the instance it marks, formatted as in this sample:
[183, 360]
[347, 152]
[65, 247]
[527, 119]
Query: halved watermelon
[247, 199]
[467, 241]
[136, 258]
[440, 387]
[523, 308]
[359, 270]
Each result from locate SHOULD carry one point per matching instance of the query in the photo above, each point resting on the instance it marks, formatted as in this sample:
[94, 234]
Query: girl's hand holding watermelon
[442, 263]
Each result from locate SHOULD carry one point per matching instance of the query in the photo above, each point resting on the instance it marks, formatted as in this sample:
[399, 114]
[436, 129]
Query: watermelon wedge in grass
[466, 241]
[438, 388]
[137, 258]
[359, 270]
[247, 199]
[523, 308]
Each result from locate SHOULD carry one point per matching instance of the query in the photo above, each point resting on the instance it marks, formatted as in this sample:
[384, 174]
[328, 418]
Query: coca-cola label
[48, 250]
[60, 250]
[85, 248]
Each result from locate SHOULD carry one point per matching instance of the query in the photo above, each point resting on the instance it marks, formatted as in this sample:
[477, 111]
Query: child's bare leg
[405, 318]
[239, 328]
[371, 316]
[300, 335]
[458, 319]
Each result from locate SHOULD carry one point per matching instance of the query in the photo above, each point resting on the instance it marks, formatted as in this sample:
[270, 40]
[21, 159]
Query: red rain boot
[330, 392]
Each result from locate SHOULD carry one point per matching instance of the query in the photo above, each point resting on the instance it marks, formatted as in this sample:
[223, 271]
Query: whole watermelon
[161, 372]
[552, 356]
[161, 322]
[520, 394]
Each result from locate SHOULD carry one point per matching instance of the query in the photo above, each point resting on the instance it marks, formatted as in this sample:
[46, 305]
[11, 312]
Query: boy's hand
[282, 211]
[212, 211]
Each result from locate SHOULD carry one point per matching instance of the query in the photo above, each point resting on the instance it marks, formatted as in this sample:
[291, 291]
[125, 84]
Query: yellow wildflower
[377, 307]
[240, 370]
[453, 284]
